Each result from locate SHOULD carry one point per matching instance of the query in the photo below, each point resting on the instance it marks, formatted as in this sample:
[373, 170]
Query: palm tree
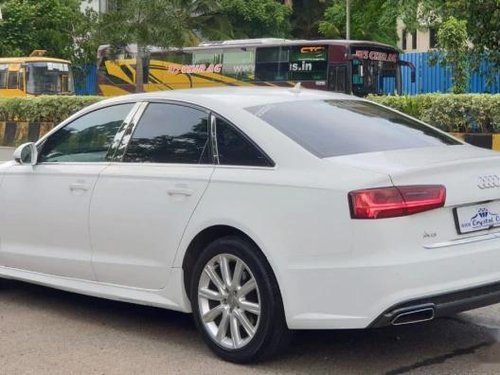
[200, 19]
[163, 23]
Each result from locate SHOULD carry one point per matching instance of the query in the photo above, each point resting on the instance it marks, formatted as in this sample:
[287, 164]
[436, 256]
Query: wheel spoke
[238, 269]
[235, 331]
[222, 331]
[247, 288]
[251, 307]
[224, 269]
[210, 271]
[242, 318]
[212, 314]
[210, 294]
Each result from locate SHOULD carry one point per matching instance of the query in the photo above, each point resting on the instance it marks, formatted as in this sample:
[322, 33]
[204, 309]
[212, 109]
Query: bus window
[274, 54]
[357, 73]
[174, 57]
[207, 57]
[3, 76]
[45, 78]
[337, 78]
[308, 63]
[272, 64]
[13, 80]
[239, 64]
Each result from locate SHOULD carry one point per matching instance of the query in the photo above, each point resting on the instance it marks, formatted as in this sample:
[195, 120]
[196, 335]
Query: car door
[142, 205]
[44, 208]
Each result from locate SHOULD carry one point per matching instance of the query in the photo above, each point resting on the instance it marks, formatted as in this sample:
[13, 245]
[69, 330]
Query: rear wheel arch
[207, 236]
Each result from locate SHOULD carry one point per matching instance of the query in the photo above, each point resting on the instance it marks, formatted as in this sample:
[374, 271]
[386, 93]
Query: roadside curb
[13, 133]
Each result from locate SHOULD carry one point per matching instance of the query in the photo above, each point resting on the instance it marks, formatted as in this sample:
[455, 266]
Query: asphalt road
[45, 331]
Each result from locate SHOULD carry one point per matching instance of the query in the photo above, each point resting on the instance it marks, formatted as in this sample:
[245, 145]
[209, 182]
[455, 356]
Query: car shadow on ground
[391, 350]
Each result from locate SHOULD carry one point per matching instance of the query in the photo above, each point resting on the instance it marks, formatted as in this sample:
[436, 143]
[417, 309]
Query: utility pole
[348, 19]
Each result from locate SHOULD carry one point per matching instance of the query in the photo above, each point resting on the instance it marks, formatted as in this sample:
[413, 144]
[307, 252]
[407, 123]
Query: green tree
[482, 19]
[164, 23]
[257, 18]
[370, 20]
[57, 26]
[452, 40]
[306, 17]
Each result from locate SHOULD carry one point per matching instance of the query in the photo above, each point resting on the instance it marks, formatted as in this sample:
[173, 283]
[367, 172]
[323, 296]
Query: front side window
[235, 149]
[341, 127]
[88, 138]
[169, 133]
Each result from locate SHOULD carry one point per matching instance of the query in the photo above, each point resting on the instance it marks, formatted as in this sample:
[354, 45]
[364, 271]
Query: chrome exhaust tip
[413, 316]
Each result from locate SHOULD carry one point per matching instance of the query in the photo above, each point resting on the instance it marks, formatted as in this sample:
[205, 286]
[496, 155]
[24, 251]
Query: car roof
[236, 97]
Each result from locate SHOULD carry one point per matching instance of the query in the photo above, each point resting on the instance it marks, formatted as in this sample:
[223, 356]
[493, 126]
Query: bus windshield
[49, 78]
[375, 71]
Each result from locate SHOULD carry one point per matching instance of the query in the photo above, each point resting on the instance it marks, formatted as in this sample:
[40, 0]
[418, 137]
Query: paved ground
[6, 153]
[44, 331]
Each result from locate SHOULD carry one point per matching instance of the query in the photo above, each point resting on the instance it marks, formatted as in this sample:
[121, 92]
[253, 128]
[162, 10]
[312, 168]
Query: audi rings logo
[488, 182]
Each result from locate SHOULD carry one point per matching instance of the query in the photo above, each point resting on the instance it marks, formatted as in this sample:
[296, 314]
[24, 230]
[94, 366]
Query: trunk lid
[470, 174]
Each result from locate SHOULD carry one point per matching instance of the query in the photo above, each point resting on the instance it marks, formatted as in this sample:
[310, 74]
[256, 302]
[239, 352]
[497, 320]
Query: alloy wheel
[229, 301]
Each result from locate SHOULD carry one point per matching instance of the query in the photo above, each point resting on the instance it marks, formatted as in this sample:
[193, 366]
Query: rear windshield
[341, 127]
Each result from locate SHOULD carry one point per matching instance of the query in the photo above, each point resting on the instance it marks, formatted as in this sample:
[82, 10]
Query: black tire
[272, 334]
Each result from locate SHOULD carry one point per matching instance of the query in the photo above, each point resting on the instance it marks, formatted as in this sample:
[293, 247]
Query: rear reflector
[395, 201]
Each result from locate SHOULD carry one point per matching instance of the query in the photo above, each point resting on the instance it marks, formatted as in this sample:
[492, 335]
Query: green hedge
[465, 113]
[43, 108]
[453, 113]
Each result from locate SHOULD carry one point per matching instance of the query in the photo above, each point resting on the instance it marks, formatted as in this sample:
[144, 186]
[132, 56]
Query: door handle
[78, 187]
[180, 190]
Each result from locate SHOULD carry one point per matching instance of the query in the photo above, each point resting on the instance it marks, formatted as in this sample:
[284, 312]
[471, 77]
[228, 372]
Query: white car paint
[333, 271]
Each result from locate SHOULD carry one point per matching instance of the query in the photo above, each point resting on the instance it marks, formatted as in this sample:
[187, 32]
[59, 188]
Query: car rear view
[422, 245]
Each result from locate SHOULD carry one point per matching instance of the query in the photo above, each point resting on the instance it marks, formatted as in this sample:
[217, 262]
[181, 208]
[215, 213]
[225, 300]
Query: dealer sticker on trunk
[477, 217]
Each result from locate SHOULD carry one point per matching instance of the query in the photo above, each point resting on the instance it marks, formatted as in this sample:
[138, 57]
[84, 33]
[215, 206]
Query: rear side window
[341, 127]
[235, 149]
[169, 133]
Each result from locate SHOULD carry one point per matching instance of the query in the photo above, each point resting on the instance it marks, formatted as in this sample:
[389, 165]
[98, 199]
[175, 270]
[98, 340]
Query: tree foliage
[452, 39]
[257, 18]
[482, 19]
[370, 20]
[164, 23]
[57, 26]
[306, 17]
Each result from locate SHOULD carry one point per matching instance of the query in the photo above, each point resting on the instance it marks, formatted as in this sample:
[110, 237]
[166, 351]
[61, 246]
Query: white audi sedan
[259, 210]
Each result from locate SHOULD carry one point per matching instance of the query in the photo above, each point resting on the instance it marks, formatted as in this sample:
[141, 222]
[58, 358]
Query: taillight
[395, 201]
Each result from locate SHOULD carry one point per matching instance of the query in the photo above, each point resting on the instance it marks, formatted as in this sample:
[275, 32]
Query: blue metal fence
[436, 78]
[429, 78]
[85, 79]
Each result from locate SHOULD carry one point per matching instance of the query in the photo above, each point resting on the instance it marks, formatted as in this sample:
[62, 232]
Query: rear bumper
[369, 291]
[444, 304]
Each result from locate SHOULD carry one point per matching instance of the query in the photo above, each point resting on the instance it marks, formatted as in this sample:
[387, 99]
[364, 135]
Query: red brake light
[395, 201]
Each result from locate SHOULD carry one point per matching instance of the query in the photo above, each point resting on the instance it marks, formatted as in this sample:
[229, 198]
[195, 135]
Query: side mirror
[27, 153]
